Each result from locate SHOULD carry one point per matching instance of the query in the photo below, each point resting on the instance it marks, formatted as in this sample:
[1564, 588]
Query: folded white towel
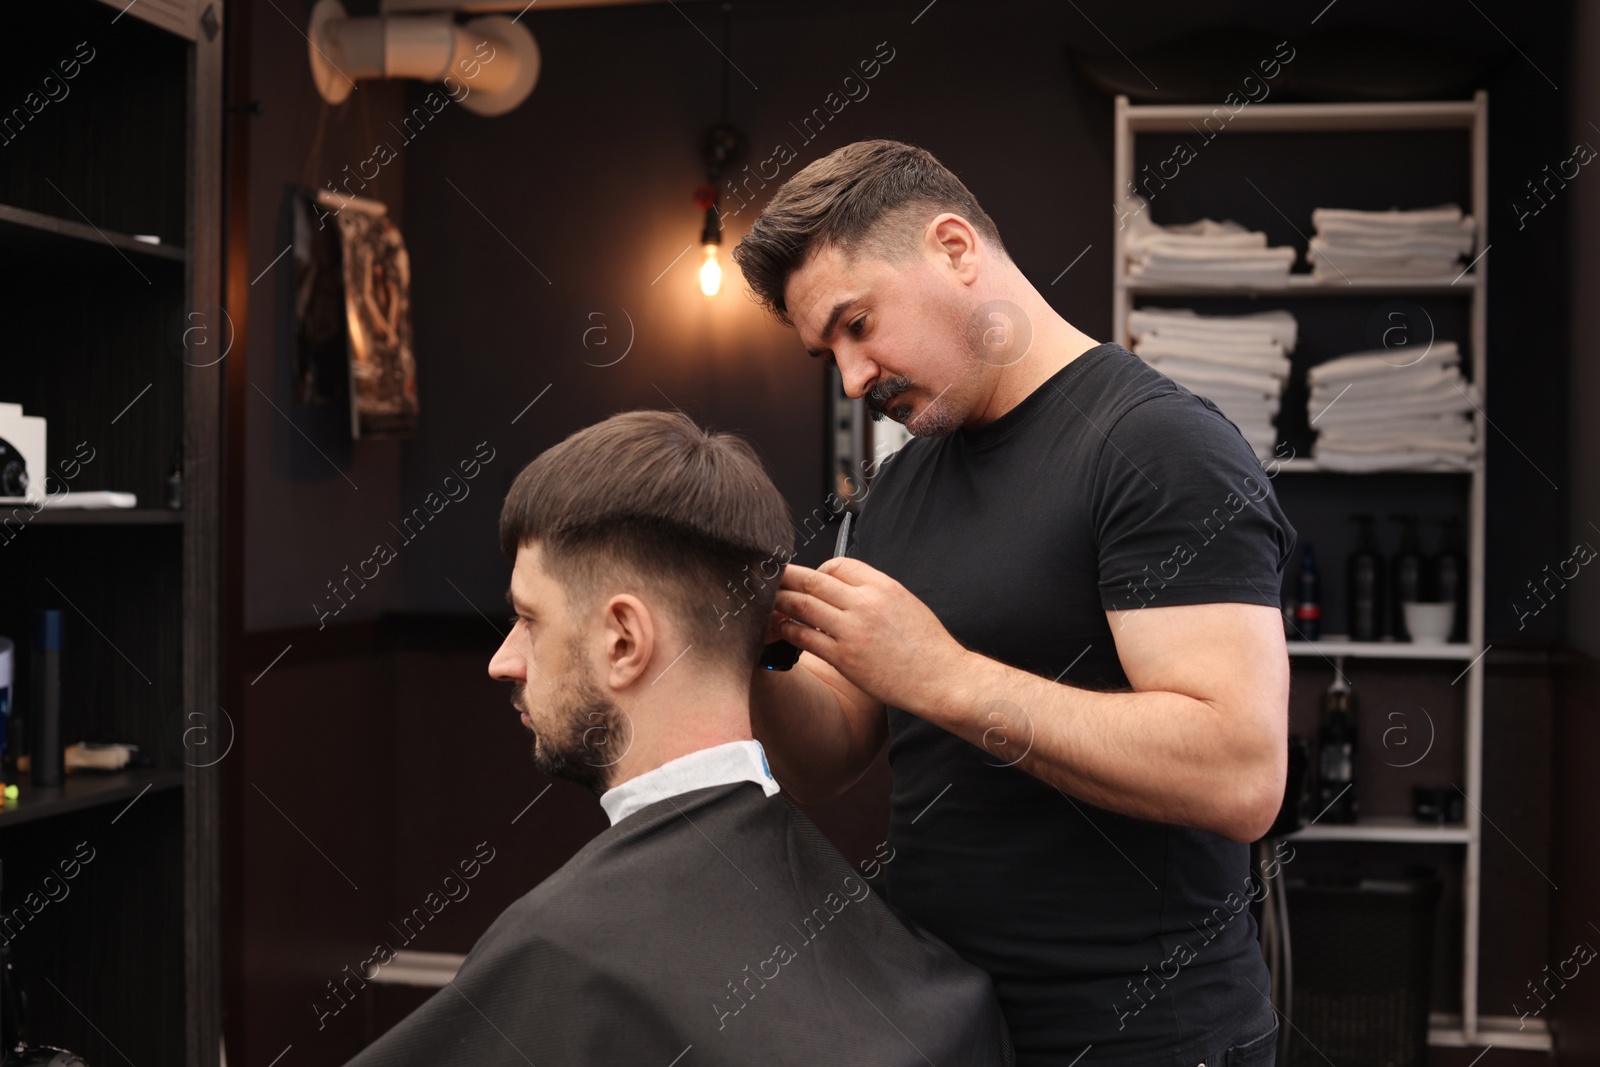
[1442, 215]
[1418, 246]
[1276, 325]
[1462, 229]
[1141, 225]
[1242, 345]
[1176, 342]
[1269, 383]
[1422, 243]
[1382, 361]
[1249, 355]
[1348, 413]
[1399, 395]
[1397, 443]
[1243, 350]
[1171, 253]
[1417, 270]
[1211, 277]
[1448, 426]
[1172, 366]
[1400, 261]
[1399, 460]
[1138, 244]
[1349, 405]
[1159, 257]
[1396, 386]
[1459, 236]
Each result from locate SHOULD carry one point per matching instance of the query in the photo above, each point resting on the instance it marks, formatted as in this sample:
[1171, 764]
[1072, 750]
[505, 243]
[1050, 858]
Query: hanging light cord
[727, 54]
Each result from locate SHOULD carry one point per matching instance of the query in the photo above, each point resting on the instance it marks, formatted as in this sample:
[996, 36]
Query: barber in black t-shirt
[1060, 608]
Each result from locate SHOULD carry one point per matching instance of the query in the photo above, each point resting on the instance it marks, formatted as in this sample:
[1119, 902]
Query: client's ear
[631, 635]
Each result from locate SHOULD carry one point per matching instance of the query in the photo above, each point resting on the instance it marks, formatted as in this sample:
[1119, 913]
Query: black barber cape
[718, 926]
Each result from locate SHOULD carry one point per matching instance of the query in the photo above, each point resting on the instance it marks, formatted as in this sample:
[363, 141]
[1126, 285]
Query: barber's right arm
[819, 731]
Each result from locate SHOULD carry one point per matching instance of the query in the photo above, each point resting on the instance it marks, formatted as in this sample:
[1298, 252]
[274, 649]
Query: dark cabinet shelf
[33, 232]
[85, 789]
[108, 517]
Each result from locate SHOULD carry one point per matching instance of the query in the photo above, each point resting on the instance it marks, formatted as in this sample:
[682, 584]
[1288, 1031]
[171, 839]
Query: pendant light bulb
[710, 272]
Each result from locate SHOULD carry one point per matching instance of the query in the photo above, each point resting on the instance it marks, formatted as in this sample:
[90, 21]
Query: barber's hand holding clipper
[868, 627]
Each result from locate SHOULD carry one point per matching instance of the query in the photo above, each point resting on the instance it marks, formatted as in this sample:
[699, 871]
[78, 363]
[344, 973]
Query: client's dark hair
[649, 499]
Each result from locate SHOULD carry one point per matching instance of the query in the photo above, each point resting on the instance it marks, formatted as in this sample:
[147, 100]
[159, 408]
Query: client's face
[578, 734]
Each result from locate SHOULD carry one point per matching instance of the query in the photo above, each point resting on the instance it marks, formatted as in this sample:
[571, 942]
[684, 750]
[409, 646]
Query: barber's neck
[1053, 342]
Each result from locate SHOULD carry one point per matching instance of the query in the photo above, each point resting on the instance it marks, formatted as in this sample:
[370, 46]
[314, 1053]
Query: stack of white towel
[1376, 411]
[1206, 252]
[1423, 245]
[1238, 362]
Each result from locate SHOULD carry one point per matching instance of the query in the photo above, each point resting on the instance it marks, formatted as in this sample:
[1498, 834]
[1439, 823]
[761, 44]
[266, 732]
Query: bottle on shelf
[1308, 609]
[1364, 586]
[1449, 570]
[1336, 752]
[7, 657]
[1405, 575]
[46, 759]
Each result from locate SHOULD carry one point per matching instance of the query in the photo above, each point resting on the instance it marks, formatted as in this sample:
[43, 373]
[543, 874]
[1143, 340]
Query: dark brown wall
[1576, 1008]
[1576, 1011]
[315, 833]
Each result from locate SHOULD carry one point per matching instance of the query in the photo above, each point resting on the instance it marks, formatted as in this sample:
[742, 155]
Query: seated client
[712, 923]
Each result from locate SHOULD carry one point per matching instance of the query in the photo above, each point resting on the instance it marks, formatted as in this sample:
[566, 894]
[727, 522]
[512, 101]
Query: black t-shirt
[1108, 487]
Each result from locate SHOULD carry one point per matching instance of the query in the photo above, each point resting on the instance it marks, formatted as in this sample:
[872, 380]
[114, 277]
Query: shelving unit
[1306, 465]
[1335, 646]
[1471, 118]
[1387, 828]
[110, 211]
[108, 517]
[22, 229]
[1306, 285]
[82, 791]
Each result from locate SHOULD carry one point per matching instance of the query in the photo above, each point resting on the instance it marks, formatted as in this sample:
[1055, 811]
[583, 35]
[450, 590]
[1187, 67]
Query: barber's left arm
[1200, 742]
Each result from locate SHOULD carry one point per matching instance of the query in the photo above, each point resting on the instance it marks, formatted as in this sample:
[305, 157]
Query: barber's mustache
[879, 395]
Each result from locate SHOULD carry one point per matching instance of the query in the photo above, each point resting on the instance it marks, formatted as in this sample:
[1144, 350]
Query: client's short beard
[593, 733]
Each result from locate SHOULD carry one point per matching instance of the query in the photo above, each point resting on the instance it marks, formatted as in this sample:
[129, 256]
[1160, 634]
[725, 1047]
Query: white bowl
[1429, 623]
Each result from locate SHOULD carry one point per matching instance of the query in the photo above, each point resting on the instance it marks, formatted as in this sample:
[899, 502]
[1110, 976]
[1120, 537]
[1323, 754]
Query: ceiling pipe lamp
[493, 57]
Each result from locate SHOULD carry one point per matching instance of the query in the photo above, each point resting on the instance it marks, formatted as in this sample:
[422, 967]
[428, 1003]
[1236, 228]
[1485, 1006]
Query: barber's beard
[584, 734]
[935, 414]
[940, 411]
